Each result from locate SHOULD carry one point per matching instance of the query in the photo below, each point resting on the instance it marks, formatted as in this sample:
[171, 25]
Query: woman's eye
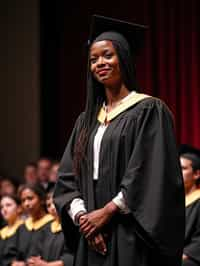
[108, 55]
[93, 60]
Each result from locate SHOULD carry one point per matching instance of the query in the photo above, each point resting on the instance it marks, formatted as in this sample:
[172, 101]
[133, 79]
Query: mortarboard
[188, 149]
[133, 33]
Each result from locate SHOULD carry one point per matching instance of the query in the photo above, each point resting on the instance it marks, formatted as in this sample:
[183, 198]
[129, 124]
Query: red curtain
[171, 62]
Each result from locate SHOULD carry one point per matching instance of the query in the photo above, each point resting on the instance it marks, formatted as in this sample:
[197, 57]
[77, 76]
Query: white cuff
[120, 202]
[76, 206]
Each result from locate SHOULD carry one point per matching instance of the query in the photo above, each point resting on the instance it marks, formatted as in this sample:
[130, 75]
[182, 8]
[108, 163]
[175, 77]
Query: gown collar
[8, 231]
[124, 104]
[192, 197]
[31, 225]
[56, 227]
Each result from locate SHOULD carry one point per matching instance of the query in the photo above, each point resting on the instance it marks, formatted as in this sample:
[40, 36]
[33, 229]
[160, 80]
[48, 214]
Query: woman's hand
[18, 263]
[184, 257]
[36, 261]
[92, 222]
[98, 244]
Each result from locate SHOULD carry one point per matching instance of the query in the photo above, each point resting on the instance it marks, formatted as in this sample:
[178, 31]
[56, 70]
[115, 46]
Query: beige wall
[19, 85]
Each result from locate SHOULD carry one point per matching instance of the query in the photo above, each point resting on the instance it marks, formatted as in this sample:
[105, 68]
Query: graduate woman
[190, 163]
[54, 252]
[119, 178]
[35, 230]
[10, 210]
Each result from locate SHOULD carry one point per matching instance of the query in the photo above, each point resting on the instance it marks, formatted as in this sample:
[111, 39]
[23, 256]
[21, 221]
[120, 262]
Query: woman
[54, 252]
[33, 233]
[10, 210]
[190, 164]
[119, 177]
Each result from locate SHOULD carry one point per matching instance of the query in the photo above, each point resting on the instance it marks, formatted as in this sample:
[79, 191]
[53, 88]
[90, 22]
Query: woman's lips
[103, 72]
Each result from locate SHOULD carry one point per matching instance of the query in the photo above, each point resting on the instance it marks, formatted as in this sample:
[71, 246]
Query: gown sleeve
[152, 184]
[67, 189]
[67, 257]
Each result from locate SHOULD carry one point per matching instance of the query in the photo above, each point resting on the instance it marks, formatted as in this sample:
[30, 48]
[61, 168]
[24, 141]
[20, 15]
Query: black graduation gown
[138, 156]
[31, 237]
[54, 247]
[192, 232]
[8, 244]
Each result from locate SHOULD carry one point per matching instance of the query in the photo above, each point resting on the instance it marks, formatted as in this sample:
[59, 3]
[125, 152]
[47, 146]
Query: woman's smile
[104, 63]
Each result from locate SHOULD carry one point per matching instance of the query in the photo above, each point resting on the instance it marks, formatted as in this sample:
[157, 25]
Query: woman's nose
[26, 204]
[100, 61]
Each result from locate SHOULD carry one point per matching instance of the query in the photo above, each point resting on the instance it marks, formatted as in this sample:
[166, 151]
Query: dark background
[168, 67]
[43, 69]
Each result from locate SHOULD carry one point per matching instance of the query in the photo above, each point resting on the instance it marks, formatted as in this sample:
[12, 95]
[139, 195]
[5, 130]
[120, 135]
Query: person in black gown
[54, 252]
[10, 210]
[190, 163]
[120, 178]
[34, 231]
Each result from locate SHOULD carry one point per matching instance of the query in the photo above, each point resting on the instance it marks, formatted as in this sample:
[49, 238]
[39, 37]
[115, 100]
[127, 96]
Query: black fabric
[133, 33]
[138, 156]
[54, 248]
[190, 262]
[192, 232]
[114, 36]
[30, 243]
[8, 250]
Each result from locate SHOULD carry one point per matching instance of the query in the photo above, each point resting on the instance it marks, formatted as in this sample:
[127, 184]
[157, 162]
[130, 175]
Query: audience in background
[53, 176]
[7, 186]
[30, 221]
[34, 231]
[54, 248]
[29, 235]
[30, 173]
[43, 171]
[190, 164]
[10, 210]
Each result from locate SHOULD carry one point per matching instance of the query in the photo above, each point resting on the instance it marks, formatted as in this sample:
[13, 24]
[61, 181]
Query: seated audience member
[30, 173]
[33, 232]
[7, 186]
[10, 210]
[43, 170]
[54, 252]
[190, 163]
[53, 176]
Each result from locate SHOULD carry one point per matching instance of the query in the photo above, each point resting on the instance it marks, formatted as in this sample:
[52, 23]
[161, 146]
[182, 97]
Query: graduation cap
[186, 148]
[189, 152]
[133, 33]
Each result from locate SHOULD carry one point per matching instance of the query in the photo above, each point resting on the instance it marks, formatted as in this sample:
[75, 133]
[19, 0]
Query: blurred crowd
[30, 230]
[31, 233]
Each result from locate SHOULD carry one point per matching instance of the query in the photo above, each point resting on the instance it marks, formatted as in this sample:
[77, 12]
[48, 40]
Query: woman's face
[51, 207]
[7, 187]
[188, 173]
[9, 209]
[31, 202]
[104, 63]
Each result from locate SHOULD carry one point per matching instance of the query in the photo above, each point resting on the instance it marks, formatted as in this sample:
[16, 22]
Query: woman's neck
[114, 95]
[38, 215]
[57, 219]
[12, 221]
[190, 190]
